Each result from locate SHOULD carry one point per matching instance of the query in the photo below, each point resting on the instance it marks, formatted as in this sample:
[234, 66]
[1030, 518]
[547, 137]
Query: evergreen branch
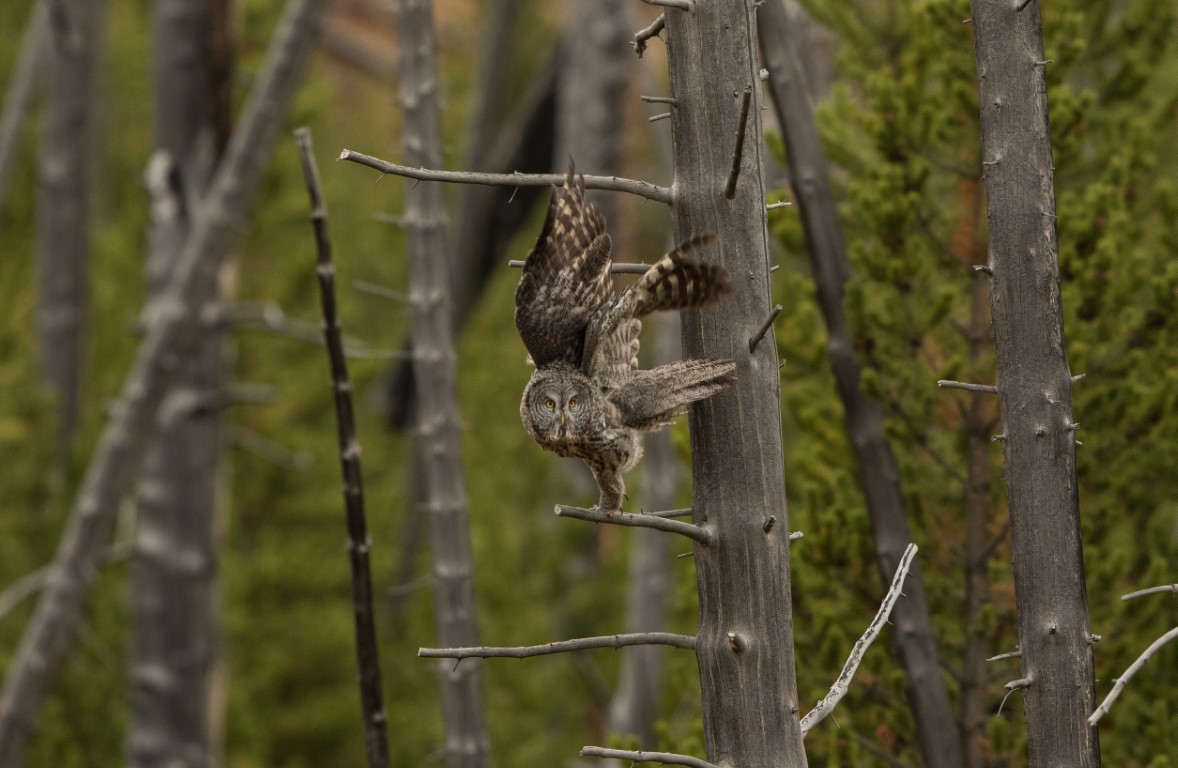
[367, 658]
[691, 531]
[839, 689]
[1133, 669]
[668, 758]
[561, 646]
[607, 183]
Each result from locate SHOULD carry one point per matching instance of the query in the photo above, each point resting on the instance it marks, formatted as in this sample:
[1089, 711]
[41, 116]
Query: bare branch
[683, 5]
[607, 183]
[738, 153]
[1133, 669]
[1150, 591]
[839, 689]
[984, 388]
[642, 36]
[660, 100]
[616, 268]
[367, 658]
[702, 535]
[755, 340]
[561, 646]
[1007, 655]
[667, 758]
[18, 98]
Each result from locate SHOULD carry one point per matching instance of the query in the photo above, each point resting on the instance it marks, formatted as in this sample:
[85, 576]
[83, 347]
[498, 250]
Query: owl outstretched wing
[652, 399]
[566, 277]
[675, 281]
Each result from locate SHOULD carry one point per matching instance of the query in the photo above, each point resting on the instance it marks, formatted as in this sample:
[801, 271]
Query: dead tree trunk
[63, 200]
[174, 571]
[438, 443]
[171, 334]
[745, 644]
[879, 473]
[1034, 387]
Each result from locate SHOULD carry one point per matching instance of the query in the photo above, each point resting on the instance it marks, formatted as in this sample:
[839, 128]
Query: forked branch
[607, 183]
[839, 689]
[562, 646]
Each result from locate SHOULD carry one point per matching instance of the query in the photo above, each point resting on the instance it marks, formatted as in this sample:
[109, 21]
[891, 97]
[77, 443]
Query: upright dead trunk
[63, 200]
[745, 644]
[174, 571]
[1034, 387]
[170, 336]
[438, 443]
[879, 473]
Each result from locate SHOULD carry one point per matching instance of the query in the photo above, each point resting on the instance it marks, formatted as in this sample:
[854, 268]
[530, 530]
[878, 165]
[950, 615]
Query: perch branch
[607, 183]
[1133, 669]
[738, 152]
[702, 535]
[667, 758]
[616, 268]
[839, 689]
[683, 5]
[561, 646]
[1150, 591]
[367, 658]
[1007, 655]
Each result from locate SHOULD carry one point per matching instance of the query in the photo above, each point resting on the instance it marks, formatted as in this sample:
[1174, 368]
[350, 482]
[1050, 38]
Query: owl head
[558, 406]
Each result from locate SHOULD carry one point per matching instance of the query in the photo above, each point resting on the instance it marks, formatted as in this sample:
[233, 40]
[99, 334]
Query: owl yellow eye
[549, 404]
[573, 404]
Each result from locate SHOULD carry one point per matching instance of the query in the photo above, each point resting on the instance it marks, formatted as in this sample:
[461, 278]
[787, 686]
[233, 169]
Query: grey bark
[22, 84]
[63, 200]
[171, 335]
[633, 709]
[745, 649]
[1034, 386]
[879, 473]
[438, 439]
[175, 634]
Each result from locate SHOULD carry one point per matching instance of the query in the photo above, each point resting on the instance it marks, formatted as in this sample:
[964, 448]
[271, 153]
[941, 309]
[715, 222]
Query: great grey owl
[587, 399]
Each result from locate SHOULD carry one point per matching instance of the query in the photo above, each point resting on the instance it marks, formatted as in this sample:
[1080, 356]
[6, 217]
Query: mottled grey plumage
[587, 399]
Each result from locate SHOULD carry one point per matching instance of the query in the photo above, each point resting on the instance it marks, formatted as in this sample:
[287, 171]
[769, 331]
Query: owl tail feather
[652, 399]
[677, 282]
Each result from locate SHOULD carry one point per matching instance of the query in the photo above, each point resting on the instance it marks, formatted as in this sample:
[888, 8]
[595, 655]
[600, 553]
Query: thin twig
[18, 96]
[702, 535]
[34, 581]
[660, 100]
[268, 450]
[643, 36]
[1007, 655]
[839, 689]
[1124, 679]
[738, 152]
[376, 289]
[986, 388]
[755, 340]
[1150, 591]
[667, 758]
[607, 183]
[561, 646]
[359, 546]
[615, 268]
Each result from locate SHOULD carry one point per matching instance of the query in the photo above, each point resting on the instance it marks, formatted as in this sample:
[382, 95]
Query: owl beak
[561, 430]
